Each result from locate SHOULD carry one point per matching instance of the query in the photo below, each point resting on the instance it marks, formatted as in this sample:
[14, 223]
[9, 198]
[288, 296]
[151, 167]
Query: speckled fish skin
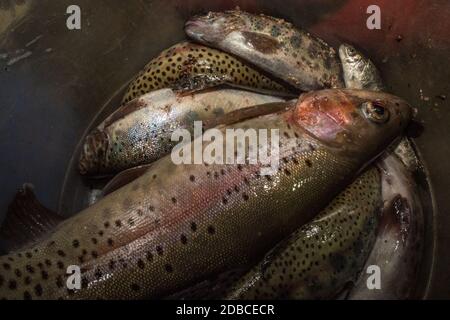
[321, 257]
[177, 225]
[359, 71]
[274, 45]
[191, 63]
[140, 131]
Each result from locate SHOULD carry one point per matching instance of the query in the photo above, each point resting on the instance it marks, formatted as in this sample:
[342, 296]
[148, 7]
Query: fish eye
[375, 111]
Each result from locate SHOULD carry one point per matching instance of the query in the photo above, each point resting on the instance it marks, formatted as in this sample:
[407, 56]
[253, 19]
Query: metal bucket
[56, 84]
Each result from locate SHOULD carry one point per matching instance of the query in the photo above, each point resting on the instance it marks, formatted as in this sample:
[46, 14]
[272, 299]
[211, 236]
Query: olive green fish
[177, 225]
[274, 45]
[191, 66]
[140, 131]
[321, 257]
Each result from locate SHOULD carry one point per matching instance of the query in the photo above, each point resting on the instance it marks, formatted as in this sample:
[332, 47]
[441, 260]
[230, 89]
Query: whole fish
[176, 225]
[140, 131]
[274, 45]
[321, 257]
[398, 247]
[191, 66]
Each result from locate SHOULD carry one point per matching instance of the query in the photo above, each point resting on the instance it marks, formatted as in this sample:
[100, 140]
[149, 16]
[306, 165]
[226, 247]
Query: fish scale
[187, 61]
[177, 225]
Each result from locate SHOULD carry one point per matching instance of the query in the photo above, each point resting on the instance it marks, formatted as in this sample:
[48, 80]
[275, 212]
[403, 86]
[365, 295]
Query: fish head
[214, 26]
[349, 55]
[355, 121]
[93, 153]
[359, 71]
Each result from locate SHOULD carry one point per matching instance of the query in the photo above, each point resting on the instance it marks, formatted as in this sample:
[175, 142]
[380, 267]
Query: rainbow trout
[188, 66]
[274, 45]
[177, 225]
[321, 257]
[140, 131]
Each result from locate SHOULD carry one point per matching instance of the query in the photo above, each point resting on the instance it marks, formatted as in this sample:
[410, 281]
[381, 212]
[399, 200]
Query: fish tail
[94, 153]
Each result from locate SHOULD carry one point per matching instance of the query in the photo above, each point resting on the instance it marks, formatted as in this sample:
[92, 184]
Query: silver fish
[140, 131]
[359, 71]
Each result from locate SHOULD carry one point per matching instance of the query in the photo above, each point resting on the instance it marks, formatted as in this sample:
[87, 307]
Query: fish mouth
[194, 29]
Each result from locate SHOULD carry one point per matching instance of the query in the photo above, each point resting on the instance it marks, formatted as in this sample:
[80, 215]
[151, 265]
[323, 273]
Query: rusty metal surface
[54, 83]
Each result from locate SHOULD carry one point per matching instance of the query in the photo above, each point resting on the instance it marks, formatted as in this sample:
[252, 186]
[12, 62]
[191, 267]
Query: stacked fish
[224, 231]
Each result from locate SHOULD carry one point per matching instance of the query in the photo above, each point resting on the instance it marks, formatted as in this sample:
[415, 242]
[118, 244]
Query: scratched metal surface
[55, 84]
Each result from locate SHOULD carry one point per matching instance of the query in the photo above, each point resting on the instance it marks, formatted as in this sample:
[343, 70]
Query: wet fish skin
[398, 247]
[140, 131]
[274, 45]
[321, 257]
[188, 66]
[177, 225]
[359, 71]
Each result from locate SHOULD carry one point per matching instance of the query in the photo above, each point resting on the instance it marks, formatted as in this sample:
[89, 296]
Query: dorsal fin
[27, 220]
[124, 178]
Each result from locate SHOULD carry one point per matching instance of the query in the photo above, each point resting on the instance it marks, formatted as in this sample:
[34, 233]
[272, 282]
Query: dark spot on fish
[174, 200]
[44, 275]
[135, 287]
[168, 268]
[28, 255]
[18, 273]
[308, 163]
[275, 31]
[106, 225]
[287, 172]
[94, 240]
[159, 250]
[211, 230]
[12, 285]
[295, 41]
[98, 274]
[94, 254]
[27, 296]
[60, 265]
[183, 239]
[192, 178]
[38, 290]
[110, 242]
[111, 264]
[245, 196]
[75, 243]
[61, 253]
[118, 223]
[6, 266]
[141, 264]
[262, 43]
[193, 226]
[29, 268]
[149, 256]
